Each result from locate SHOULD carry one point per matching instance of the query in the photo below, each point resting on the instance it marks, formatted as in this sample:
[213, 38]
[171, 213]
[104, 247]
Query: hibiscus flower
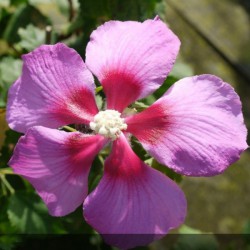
[196, 129]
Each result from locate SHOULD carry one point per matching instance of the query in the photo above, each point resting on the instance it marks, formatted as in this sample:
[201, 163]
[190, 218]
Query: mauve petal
[55, 89]
[196, 128]
[131, 59]
[57, 164]
[133, 204]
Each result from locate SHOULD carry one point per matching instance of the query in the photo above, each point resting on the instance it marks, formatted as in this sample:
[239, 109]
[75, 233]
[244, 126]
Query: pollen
[108, 123]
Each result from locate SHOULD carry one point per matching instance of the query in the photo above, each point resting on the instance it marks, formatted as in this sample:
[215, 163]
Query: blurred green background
[215, 38]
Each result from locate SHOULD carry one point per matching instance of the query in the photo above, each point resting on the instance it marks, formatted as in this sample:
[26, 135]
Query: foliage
[10, 69]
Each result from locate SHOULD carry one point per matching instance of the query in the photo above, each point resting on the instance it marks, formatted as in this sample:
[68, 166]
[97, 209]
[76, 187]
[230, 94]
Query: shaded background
[215, 38]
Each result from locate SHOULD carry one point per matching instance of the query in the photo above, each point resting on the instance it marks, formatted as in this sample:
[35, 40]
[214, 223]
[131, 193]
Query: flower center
[108, 123]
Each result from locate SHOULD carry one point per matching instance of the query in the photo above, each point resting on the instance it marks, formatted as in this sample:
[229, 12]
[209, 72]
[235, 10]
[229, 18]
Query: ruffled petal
[196, 128]
[133, 204]
[57, 164]
[131, 59]
[55, 89]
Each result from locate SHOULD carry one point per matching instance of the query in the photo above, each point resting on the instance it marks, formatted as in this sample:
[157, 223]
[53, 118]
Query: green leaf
[98, 89]
[64, 6]
[246, 229]
[184, 229]
[3, 128]
[8, 242]
[164, 169]
[120, 10]
[94, 9]
[28, 214]
[139, 150]
[133, 9]
[4, 221]
[37, 2]
[11, 138]
[31, 37]
[10, 69]
[4, 3]
[181, 70]
[246, 232]
[4, 19]
[8, 236]
[18, 2]
[24, 15]
[96, 172]
[194, 239]
[99, 102]
[139, 106]
[161, 91]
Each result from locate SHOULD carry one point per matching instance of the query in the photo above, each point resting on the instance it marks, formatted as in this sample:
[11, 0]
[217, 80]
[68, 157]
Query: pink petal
[196, 128]
[133, 204]
[55, 89]
[57, 164]
[131, 59]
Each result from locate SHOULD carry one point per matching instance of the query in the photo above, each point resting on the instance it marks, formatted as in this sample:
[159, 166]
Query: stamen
[108, 123]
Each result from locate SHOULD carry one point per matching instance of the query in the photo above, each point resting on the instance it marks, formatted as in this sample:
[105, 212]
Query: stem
[4, 190]
[15, 50]
[101, 159]
[68, 128]
[7, 184]
[2, 110]
[48, 31]
[4, 171]
[71, 10]
[98, 89]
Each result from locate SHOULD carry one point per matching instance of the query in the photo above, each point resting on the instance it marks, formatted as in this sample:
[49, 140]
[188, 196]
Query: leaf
[4, 3]
[10, 69]
[4, 19]
[120, 10]
[181, 70]
[139, 150]
[31, 37]
[99, 102]
[96, 172]
[24, 15]
[3, 127]
[4, 221]
[64, 6]
[246, 232]
[93, 13]
[25, 213]
[94, 9]
[11, 138]
[8, 242]
[8, 238]
[18, 2]
[160, 91]
[29, 215]
[139, 106]
[184, 229]
[194, 239]
[138, 10]
[4, 48]
[165, 170]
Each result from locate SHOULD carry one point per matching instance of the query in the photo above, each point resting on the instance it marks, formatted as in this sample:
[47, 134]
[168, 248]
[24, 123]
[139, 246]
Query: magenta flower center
[108, 123]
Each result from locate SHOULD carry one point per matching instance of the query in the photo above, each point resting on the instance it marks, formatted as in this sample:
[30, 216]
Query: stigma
[108, 123]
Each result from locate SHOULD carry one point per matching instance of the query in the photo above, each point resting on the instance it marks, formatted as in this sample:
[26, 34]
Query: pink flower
[196, 129]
